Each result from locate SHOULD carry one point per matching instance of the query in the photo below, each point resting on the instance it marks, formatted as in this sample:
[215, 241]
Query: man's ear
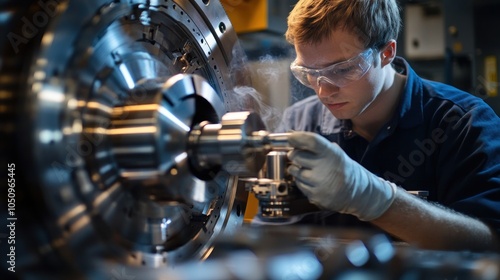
[388, 53]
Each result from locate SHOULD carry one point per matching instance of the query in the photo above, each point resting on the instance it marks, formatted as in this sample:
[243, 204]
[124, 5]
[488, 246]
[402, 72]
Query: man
[377, 131]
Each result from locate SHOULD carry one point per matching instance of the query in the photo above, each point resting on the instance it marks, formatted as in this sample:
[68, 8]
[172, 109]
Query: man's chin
[337, 112]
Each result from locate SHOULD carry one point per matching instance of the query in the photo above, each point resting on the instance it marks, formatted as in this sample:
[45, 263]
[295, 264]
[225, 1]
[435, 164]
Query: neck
[378, 113]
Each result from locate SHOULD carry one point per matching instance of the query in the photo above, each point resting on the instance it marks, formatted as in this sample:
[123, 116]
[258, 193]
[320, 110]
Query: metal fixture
[279, 197]
[97, 102]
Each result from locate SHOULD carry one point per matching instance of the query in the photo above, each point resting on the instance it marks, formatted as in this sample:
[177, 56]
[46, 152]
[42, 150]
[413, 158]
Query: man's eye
[344, 70]
[314, 74]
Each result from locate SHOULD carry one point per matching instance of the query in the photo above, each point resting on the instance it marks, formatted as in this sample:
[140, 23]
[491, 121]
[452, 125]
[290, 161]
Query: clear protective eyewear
[338, 74]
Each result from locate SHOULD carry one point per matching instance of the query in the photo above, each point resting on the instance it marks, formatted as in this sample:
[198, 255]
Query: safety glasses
[338, 74]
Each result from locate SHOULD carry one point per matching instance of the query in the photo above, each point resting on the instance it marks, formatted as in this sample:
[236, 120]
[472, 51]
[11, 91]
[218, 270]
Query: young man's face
[346, 89]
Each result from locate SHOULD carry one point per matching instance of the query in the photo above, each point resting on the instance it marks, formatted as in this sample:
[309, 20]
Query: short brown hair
[375, 21]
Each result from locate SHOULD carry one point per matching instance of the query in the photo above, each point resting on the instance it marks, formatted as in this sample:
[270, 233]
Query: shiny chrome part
[276, 165]
[279, 197]
[279, 141]
[148, 139]
[97, 100]
[229, 145]
[238, 145]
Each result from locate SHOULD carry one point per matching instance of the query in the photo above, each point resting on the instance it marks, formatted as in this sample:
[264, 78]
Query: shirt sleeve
[472, 182]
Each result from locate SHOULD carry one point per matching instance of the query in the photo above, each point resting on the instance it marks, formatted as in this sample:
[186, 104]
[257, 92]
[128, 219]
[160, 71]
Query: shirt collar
[408, 114]
[410, 107]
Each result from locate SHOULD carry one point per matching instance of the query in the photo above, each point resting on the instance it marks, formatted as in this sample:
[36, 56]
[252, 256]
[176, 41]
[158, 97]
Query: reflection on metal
[97, 101]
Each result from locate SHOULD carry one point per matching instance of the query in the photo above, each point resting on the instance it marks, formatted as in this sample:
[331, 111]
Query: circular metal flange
[69, 77]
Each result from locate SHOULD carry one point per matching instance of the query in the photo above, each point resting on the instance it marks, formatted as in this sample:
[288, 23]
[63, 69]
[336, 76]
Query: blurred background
[455, 42]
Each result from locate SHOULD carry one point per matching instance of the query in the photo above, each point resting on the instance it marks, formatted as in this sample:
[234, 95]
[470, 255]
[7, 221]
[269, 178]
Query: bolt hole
[222, 27]
[416, 43]
[238, 210]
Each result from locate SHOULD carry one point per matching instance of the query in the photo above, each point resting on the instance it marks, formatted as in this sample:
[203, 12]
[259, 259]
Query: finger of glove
[304, 158]
[311, 193]
[302, 175]
[308, 141]
[306, 189]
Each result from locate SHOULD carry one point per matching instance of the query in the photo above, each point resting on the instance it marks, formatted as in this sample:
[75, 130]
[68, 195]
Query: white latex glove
[332, 180]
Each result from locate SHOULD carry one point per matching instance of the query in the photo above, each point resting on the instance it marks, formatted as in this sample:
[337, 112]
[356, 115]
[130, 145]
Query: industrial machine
[108, 113]
[128, 151]
[123, 135]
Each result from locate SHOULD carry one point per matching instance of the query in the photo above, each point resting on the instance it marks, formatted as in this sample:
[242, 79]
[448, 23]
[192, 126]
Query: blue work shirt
[441, 140]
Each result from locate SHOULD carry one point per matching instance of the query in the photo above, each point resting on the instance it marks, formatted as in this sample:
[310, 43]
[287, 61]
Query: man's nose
[326, 89]
[323, 81]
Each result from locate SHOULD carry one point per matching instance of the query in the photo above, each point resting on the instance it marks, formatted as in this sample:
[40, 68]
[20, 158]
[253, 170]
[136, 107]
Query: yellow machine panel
[490, 69]
[247, 15]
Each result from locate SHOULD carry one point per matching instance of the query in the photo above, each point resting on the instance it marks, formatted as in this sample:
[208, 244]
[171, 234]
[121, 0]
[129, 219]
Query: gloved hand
[332, 180]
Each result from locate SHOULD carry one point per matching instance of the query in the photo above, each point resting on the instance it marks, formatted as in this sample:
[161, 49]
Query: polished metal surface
[149, 139]
[276, 164]
[97, 101]
[279, 141]
[230, 145]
